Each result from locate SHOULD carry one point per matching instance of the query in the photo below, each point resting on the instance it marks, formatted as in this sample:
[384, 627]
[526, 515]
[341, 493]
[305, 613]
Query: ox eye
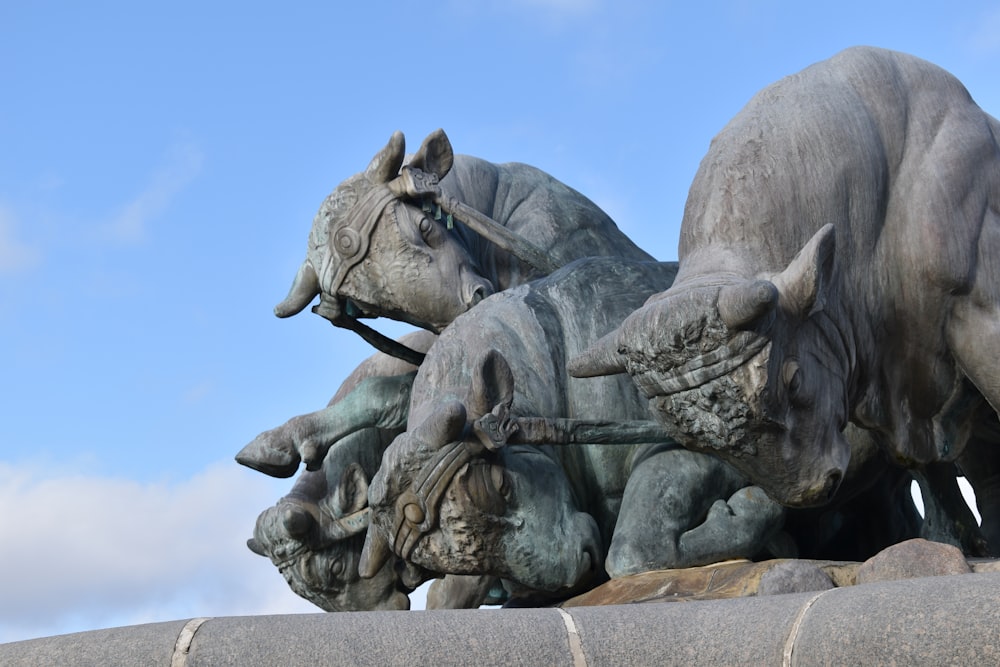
[425, 226]
[498, 475]
[486, 485]
[337, 567]
[791, 375]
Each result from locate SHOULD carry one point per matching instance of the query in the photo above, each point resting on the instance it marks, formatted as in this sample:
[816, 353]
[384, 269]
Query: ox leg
[980, 463]
[682, 509]
[973, 333]
[381, 402]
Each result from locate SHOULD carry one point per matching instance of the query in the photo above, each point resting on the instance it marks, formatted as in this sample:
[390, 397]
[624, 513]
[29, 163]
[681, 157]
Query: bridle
[352, 238]
[417, 508]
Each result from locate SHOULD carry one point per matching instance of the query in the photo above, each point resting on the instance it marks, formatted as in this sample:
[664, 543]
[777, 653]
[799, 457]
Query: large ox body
[839, 260]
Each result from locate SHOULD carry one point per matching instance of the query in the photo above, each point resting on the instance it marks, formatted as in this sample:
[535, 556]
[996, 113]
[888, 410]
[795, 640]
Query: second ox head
[315, 540]
[754, 372]
[448, 500]
[376, 251]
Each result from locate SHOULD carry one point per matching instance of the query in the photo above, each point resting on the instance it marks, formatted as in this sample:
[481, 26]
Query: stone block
[913, 558]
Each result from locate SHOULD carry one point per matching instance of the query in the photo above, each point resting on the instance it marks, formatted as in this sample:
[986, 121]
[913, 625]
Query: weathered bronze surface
[576, 420]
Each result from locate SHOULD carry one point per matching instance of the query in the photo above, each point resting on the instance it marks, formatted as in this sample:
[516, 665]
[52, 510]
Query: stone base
[926, 620]
[950, 620]
[734, 579]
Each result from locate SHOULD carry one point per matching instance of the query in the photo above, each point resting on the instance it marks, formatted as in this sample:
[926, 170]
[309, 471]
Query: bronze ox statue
[539, 222]
[822, 312]
[838, 264]
[425, 241]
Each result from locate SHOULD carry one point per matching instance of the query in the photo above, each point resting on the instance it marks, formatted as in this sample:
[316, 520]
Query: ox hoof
[270, 461]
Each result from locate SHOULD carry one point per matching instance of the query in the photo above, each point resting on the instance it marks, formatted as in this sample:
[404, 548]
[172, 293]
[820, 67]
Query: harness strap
[350, 240]
[417, 508]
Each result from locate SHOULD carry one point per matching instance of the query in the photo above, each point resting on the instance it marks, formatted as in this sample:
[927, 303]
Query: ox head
[374, 250]
[316, 545]
[449, 499]
[751, 371]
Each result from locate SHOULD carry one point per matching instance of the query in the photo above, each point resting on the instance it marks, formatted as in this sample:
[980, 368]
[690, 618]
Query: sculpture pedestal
[923, 621]
[742, 578]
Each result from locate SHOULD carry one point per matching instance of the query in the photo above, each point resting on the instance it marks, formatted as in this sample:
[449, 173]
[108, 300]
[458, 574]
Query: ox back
[892, 151]
[556, 218]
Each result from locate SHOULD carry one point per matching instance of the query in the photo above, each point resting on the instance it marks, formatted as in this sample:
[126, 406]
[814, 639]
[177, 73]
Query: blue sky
[160, 165]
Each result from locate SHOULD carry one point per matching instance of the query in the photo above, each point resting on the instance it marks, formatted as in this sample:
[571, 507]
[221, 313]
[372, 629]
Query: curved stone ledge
[928, 621]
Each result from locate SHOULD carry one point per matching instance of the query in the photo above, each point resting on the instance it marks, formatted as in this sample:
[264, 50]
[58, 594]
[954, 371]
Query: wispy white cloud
[181, 164]
[83, 552]
[15, 254]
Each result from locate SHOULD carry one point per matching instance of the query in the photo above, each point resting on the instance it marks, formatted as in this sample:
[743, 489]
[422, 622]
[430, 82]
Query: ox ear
[352, 493]
[492, 385]
[801, 285]
[435, 155]
[385, 165]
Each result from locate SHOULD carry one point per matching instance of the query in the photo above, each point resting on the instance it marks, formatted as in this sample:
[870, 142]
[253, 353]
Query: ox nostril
[479, 294]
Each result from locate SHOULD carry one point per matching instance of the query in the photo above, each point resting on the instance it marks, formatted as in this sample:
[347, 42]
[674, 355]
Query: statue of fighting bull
[385, 246]
[314, 534]
[461, 492]
[424, 242]
[838, 262]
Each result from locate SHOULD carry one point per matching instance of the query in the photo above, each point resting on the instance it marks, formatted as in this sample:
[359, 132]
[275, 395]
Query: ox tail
[304, 289]
[601, 358]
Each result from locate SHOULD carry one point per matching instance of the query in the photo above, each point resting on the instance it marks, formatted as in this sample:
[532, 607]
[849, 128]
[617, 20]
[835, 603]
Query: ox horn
[741, 305]
[374, 554]
[443, 425]
[304, 289]
[601, 358]
[296, 521]
[256, 547]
